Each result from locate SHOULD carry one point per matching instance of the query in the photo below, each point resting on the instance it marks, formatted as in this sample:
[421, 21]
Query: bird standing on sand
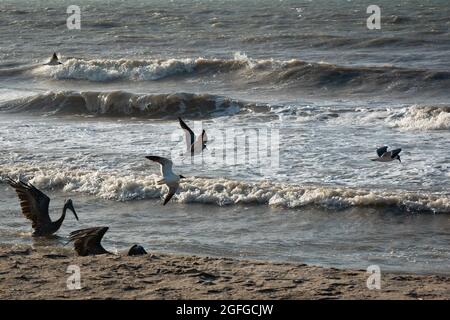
[169, 178]
[34, 204]
[193, 146]
[87, 242]
[387, 156]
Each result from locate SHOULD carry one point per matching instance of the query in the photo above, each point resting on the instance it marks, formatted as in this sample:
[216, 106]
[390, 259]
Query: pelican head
[69, 205]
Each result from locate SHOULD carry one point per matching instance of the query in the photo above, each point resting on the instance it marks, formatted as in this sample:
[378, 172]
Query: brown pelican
[193, 146]
[387, 156]
[87, 241]
[35, 205]
[136, 250]
[170, 179]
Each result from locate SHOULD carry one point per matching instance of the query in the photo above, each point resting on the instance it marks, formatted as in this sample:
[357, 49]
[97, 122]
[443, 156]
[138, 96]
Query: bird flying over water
[193, 146]
[87, 242]
[169, 178]
[387, 156]
[35, 205]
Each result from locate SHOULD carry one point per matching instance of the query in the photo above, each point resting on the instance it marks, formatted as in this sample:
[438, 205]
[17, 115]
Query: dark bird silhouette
[136, 250]
[87, 242]
[54, 61]
[387, 156]
[193, 146]
[35, 204]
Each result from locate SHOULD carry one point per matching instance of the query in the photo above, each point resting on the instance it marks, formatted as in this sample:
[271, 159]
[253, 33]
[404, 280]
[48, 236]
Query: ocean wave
[104, 70]
[201, 106]
[423, 118]
[14, 70]
[121, 103]
[224, 192]
[292, 73]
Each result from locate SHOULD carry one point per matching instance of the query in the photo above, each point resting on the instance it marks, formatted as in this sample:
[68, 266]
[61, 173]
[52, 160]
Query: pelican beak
[71, 208]
[399, 159]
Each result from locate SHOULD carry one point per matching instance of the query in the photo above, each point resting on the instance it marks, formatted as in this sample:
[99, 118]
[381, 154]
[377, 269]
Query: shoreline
[26, 273]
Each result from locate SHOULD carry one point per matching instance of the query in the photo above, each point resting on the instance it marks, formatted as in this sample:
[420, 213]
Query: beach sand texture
[28, 274]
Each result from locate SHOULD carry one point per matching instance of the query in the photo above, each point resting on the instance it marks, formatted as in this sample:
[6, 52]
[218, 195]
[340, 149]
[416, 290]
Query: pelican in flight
[387, 156]
[193, 146]
[34, 204]
[169, 178]
[54, 61]
[87, 242]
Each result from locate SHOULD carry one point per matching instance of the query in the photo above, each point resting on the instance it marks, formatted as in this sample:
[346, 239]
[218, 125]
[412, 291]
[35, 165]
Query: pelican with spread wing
[386, 156]
[35, 205]
[87, 242]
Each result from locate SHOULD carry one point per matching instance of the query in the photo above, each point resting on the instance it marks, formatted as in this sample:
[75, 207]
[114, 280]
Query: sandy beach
[26, 273]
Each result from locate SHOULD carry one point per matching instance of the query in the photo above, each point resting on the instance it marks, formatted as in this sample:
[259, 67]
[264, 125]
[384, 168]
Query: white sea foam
[219, 191]
[424, 118]
[104, 70]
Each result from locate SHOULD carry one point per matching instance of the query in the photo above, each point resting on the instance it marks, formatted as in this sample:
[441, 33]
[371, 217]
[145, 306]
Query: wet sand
[29, 274]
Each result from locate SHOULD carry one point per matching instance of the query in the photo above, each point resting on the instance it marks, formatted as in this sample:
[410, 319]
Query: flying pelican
[54, 61]
[169, 178]
[87, 241]
[193, 146]
[34, 204]
[386, 156]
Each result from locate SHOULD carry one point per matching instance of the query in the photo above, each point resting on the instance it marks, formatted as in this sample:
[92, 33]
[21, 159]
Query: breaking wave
[222, 192]
[291, 73]
[424, 118]
[200, 106]
[137, 70]
[121, 103]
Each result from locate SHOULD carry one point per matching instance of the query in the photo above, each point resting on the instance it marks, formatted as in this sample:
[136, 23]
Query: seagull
[87, 241]
[34, 204]
[170, 179]
[193, 146]
[54, 61]
[387, 156]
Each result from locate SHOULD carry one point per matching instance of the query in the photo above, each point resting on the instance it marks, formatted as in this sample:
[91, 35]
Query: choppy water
[305, 79]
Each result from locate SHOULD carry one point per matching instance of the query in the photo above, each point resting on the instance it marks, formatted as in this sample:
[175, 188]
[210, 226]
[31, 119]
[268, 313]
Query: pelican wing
[166, 165]
[381, 151]
[172, 190]
[395, 152]
[188, 133]
[88, 241]
[33, 202]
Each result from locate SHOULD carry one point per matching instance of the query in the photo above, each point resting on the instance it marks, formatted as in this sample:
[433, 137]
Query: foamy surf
[423, 118]
[241, 69]
[105, 70]
[224, 192]
[170, 106]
